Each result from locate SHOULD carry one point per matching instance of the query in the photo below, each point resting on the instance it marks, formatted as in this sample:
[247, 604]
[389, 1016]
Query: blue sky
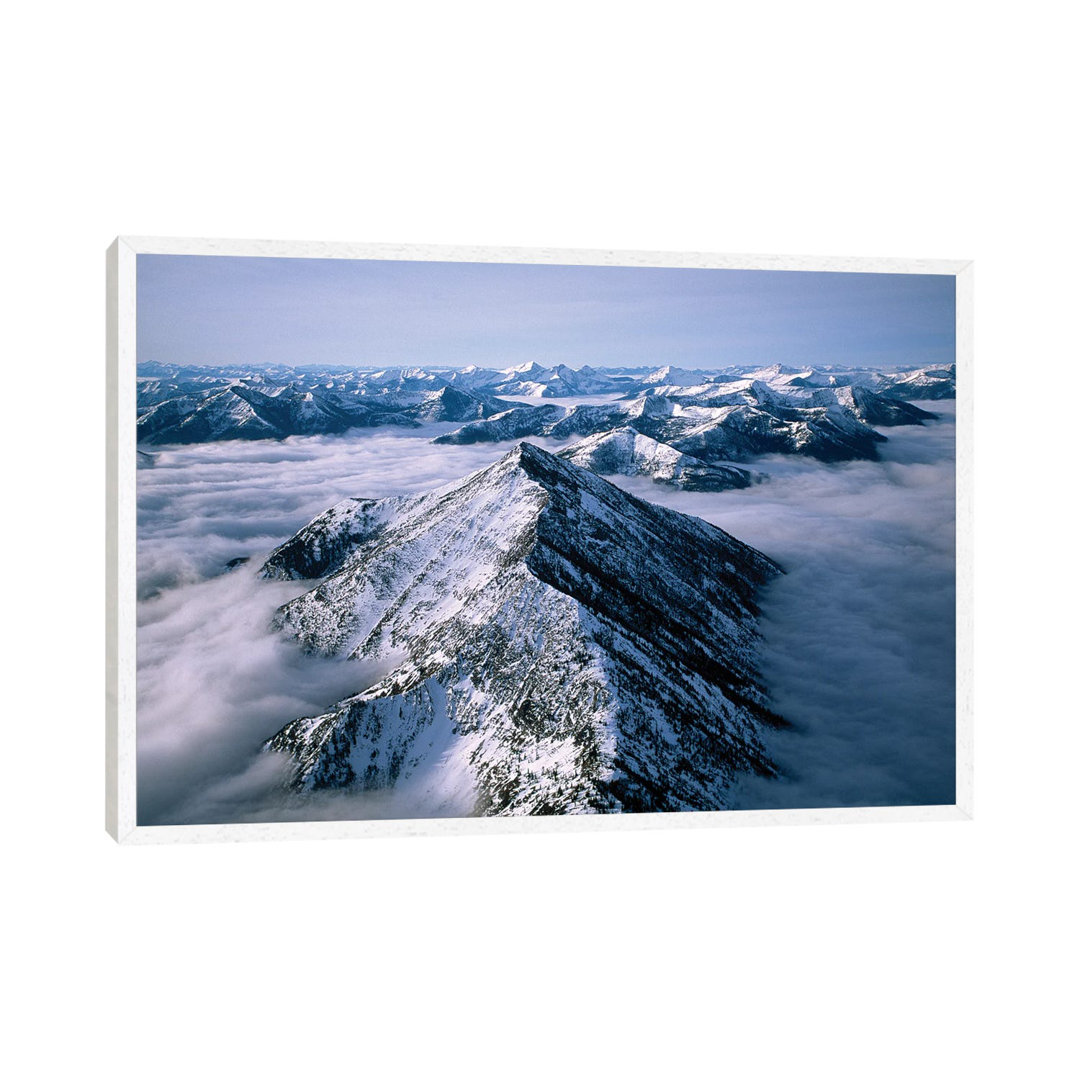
[213, 309]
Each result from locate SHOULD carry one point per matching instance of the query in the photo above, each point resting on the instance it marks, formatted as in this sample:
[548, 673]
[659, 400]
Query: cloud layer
[213, 681]
[859, 635]
[858, 647]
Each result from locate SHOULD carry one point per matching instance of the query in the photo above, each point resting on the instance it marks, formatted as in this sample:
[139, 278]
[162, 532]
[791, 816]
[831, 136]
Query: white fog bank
[859, 634]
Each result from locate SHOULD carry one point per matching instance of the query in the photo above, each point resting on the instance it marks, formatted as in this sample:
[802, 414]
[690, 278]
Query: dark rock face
[926, 384]
[882, 411]
[322, 546]
[519, 423]
[828, 434]
[551, 645]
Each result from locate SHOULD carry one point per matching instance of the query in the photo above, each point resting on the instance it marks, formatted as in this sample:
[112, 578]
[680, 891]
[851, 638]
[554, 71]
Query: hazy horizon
[213, 310]
[434, 369]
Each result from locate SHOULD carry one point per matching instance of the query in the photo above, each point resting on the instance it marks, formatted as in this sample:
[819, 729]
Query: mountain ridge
[554, 645]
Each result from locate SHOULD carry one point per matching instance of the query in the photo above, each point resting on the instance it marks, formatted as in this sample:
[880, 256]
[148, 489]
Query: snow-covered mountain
[916, 384]
[627, 452]
[240, 409]
[829, 414]
[550, 420]
[535, 380]
[549, 644]
[880, 410]
[675, 376]
[783, 392]
[715, 422]
[925, 384]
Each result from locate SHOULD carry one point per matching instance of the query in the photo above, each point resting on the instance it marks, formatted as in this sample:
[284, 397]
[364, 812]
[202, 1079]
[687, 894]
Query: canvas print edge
[120, 495]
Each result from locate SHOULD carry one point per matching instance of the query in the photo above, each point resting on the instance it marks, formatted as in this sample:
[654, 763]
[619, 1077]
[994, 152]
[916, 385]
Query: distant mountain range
[733, 415]
[550, 645]
[183, 410]
[626, 452]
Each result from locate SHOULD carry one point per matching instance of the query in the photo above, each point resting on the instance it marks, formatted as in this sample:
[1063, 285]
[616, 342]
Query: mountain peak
[625, 451]
[553, 644]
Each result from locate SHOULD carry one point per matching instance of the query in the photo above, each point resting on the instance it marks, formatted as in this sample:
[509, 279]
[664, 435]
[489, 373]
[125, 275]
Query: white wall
[927, 129]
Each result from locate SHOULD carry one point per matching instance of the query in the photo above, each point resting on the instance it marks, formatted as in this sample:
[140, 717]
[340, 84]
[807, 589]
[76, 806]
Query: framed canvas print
[411, 539]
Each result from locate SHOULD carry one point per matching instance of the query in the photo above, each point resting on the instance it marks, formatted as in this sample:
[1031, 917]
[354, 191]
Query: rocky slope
[925, 384]
[549, 644]
[714, 422]
[626, 452]
[187, 412]
[880, 410]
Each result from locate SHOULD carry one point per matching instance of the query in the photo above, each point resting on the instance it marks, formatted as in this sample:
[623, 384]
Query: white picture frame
[121, 764]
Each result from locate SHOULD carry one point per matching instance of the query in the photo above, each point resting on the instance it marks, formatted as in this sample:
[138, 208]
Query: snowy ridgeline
[554, 646]
[727, 415]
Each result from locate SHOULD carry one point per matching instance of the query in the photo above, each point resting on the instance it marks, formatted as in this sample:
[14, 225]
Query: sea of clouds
[858, 635]
[213, 681]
